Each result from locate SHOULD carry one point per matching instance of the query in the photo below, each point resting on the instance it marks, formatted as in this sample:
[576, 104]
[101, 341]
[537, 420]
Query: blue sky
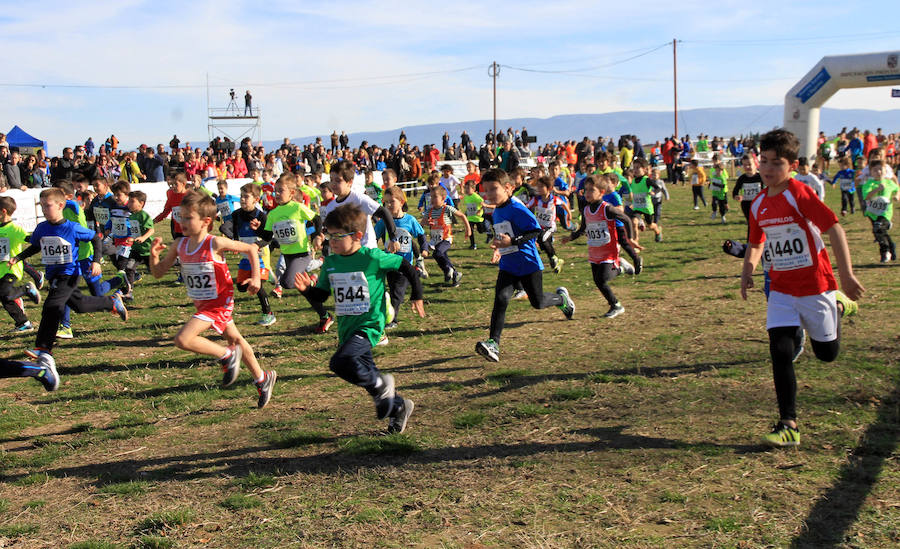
[377, 65]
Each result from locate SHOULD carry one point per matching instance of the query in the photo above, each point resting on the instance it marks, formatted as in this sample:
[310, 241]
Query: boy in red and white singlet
[209, 284]
[787, 221]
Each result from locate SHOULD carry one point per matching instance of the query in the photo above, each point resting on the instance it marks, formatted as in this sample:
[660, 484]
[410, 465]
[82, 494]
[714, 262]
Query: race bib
[505, 227]
[351, 293]
[597, 234]
[248, 239]
[545, 216]
[751, 190]
[405, 240]
[372, 193]
[640, 201]
[176, 214]
[435, 235]
[224, 209]
[471, 209]
[55, 250]
[4, 249]
[878, 206]
[134, 229]
[787, 247]
[120, 227]
[845, 183]
[286, 232]
[123, 250]
[101, 215]
[717, 185]
[200, 280]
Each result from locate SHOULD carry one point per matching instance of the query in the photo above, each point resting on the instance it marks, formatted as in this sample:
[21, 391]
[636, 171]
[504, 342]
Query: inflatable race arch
[833, 73]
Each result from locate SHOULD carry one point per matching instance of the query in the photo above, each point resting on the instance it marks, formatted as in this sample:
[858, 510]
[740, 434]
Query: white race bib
[597, 234]
[200, 280]
[845, 183]
[4, 249]
[372, 193]
[285, 232]
[878, 206]
[750, 190]
[787, 247]
[55, 250]
[404, 238]
[351, 293]
[546, 216]
[639, 201]
[176, 214]
[472, 209]
[224, 209]
[505, 227]
[123, 250]
[134, 229]
[435, 236]
[101, 215]
[120, 227]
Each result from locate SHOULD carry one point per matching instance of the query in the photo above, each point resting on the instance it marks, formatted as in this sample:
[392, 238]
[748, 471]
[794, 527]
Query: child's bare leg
[234, 337]
[189, 339]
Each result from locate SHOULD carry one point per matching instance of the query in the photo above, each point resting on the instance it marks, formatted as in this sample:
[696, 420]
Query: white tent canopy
[833, 73]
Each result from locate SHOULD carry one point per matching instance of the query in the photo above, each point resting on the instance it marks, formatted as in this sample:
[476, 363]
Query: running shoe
[277, 291]
[473, 247]
[41, 280]
[568, 306]
[850, 306]
[614, 311]
[65, 332]
[489, 350]
[24, 328]
[49, 377]
[420, 266]
[658, 237]
[625, 266]
[265, 387]
[266, 320]
[383, 341]
[119, 306]
[32, 293]
[556, 264]
[520, 294]
[116, 282]
[712, 215]
[639, 265]
[231, 365]
[179, 279]
[782, 436]
[391, 325]
[389, 312]
[384, 400]
[723, 220]
[324, 324]
[398, 422]
[457, 276]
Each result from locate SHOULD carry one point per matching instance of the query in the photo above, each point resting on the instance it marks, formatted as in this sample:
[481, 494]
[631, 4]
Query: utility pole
[675, 82]
[494, 72]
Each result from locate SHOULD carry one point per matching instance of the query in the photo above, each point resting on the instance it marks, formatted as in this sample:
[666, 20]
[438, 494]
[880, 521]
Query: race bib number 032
[200, 280]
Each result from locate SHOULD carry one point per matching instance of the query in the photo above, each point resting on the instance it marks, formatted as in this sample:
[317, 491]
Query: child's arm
[158, 267]
[221, 243]
[580, 231]
[304, 284]
[751, 258]
[465, 220]
[849, 283]
[144, 237]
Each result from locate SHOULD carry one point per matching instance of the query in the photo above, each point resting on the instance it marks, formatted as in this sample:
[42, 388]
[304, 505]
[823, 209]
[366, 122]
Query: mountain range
[648, 125]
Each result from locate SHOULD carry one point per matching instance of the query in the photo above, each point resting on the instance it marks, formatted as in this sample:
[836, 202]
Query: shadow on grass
[238, 462]
[836, 510]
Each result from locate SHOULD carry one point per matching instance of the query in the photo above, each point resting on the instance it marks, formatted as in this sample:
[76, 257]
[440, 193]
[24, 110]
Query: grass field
[640, 431]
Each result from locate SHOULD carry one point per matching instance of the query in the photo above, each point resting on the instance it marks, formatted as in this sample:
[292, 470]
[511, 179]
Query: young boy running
[786, 224]
[598, 221]
[718, 187]
[245, 224]
[57, 240]
[515, 229]
[355, 275]
[12, 241]
[176, 192]
[880, 193]
[845, 180]
[208, 282]
[409, 233]
[545, 206]
[473, 204]
[642, 191]
[440, 233]
[748, 185]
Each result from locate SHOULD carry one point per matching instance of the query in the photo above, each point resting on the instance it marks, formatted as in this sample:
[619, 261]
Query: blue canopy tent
[27, 144]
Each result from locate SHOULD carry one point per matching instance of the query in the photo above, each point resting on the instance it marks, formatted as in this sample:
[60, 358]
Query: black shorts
[649, 219]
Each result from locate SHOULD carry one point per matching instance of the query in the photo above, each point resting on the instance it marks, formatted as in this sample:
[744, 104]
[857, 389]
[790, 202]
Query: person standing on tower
[248, 103]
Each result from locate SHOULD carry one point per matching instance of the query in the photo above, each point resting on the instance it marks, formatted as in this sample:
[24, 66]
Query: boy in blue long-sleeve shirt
[845, 179]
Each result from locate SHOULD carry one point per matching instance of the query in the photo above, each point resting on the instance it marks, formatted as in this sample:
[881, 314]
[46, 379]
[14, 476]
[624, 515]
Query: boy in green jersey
[355, 275]
[287, 224]
[372, 190]
[718, 186]
[473, 205]
[643, 190]
[12, 241]
[879, 192]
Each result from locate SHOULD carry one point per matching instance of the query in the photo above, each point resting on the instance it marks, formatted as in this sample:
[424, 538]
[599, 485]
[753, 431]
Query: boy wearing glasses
[355, 275]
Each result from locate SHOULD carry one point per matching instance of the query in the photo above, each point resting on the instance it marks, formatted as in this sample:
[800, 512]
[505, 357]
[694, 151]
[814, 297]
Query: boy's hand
[424, 253]
[635, 245]
[393, 247]
[157, 247]
[254, 223]
[317, 241]
[418, 307]
[254, 285]
[746, 284]
[852, 287]
[502, 241]
[302, 281]
[495, 257]
[96, 269]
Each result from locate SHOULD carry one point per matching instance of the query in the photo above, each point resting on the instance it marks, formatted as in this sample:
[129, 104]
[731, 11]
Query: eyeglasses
[332, 236]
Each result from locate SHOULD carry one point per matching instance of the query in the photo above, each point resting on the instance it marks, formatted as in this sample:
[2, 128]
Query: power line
[586, 69]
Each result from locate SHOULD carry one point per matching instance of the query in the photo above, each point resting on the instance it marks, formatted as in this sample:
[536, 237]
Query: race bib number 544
[351, 293]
